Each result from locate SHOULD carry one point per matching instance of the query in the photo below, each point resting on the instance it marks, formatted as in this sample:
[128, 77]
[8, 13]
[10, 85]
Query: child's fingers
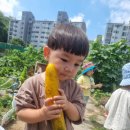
[48, 100]
[54, 107]
[58, 98]
[59, 102]
[61, 92]
[56, 112]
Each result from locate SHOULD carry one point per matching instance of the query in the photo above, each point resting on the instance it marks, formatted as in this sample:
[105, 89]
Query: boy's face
[67, 64]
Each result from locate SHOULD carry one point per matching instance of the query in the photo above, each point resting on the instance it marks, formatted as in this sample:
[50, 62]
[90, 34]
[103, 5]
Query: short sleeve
[25, 96]
[92, 80]
[80, 80]
[78, 102]
[128, 105]
[109, 102]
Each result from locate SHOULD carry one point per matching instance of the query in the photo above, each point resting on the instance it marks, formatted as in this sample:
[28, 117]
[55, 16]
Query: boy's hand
[49, 112]
[61, 100]
[99, 85]
[106, 114]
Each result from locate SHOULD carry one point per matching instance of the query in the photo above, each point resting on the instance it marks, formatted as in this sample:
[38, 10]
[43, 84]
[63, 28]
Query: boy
[67, 47]
[118, 106]
[86, 81]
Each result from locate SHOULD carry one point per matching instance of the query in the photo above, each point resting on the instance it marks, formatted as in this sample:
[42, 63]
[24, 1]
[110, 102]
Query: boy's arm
[73, 109]
[72, 112]
[30, 115]
[67, 106]
[106, 114]
[83, 87]
[93, 85]
[96, 85]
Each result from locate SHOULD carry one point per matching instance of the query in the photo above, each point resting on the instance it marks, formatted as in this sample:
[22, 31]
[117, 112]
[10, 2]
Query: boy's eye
[63, 59]
[76, 65]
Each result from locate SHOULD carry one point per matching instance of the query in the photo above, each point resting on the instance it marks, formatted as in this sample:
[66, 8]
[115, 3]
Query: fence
[4, 46]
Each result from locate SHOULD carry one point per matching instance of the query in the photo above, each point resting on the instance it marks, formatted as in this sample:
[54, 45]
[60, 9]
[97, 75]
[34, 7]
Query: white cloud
[120, 16]
[10, 7]
[111, 3]
[119, 10]
[19, 15]
[125, 5]
[78, 18]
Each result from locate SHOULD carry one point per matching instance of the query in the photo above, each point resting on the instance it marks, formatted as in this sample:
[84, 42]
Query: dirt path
[93, 119]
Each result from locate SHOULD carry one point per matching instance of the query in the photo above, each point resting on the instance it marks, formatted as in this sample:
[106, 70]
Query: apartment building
[40, 32]
[21, 28]
[99, 38]
[117, 31]
[34, 31]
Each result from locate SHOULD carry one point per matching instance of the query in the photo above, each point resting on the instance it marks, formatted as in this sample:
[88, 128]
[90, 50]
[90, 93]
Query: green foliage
[101, 97]
[98, 94]
[6, 101]
[109, 60]
[17, 41]
[13, 63]
[5, 82]
[23, 75]
[4, 22]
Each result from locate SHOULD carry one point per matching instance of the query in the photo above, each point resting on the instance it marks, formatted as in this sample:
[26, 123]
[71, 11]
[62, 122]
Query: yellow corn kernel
[51, 90]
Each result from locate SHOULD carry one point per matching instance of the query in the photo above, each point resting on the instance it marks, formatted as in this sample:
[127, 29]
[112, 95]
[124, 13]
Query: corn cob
[51, 90]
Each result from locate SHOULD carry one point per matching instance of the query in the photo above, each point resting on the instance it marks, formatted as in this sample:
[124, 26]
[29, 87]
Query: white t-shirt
[118, 107]
[1, 128]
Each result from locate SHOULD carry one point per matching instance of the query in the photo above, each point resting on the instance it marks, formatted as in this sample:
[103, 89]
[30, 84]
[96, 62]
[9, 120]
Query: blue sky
[96, 13]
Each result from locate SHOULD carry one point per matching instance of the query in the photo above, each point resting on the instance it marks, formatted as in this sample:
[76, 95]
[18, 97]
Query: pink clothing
[32, 95]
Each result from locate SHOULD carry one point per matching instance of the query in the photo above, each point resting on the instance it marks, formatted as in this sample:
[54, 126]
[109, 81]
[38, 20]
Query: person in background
[67, 48]
[1, 128]
[118, 105]
[39, 68]
[86, 81]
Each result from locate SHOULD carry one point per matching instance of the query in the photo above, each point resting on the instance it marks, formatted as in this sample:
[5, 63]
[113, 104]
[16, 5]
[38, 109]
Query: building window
[124, 34]
[125, 28]
[116, 32]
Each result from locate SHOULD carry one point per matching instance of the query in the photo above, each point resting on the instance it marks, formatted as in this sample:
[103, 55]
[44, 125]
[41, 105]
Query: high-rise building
[62, 17]
[21, 28]
[34, 31]
[117, 31]
[99, 38]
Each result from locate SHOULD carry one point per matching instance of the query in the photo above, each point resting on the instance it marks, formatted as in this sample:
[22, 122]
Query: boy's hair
[69, 38]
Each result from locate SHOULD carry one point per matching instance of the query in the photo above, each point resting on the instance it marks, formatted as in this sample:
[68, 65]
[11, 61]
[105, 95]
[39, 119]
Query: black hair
[69, 38]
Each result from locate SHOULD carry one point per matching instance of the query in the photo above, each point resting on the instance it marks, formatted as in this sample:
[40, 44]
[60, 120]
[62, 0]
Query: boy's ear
[46, 51]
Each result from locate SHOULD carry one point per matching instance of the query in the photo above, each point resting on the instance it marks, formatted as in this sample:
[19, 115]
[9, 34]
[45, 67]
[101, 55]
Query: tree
[14, 61]
[4, 22]
[109, 60]
[17, 41]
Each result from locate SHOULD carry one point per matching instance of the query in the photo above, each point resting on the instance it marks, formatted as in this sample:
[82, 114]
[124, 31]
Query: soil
[93, 118]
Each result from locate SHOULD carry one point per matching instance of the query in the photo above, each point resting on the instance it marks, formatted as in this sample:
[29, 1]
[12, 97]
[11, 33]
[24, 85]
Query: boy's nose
[69, 68]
